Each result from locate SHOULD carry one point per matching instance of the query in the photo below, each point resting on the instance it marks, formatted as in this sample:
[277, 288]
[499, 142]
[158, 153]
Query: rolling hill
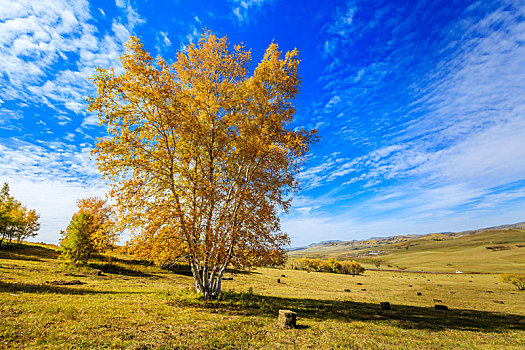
[490, 250]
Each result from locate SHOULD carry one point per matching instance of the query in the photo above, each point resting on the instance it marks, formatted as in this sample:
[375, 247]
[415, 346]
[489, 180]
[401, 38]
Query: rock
[419, 293]
[347, 290]
[278, 280]
[283, 275]
[287, 319]
[385, 305]
[441, 307]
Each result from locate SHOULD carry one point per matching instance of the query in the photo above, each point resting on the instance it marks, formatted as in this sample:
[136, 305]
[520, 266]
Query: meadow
[121, 303]
[492, 251]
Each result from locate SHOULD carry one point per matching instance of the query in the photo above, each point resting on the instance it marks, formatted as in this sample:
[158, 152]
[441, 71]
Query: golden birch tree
[200, 155]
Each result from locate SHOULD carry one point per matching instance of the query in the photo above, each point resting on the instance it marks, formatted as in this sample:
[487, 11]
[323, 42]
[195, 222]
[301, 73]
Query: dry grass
[132, 306]
[469, 253]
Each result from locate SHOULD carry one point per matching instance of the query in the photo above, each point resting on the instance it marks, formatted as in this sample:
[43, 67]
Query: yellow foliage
[200, 156]
[516, 279]
[331, 265]
[101, 231]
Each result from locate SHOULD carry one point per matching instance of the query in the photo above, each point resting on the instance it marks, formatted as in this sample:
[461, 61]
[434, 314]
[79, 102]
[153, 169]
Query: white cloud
[456, 162]
[244, 9]
[35, 36]
[50, 179]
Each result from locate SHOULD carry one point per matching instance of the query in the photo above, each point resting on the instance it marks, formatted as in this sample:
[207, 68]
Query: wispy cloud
[36, 36]
[48, 51]
[49, 178]
[243, 10]
[447, 143]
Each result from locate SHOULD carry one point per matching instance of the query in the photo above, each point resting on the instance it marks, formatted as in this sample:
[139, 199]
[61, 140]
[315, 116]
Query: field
[133, 306]
[494, 251]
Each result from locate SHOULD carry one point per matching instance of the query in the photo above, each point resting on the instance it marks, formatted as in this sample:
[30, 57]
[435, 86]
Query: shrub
[332, 265]
[352, 268]
[515, 279]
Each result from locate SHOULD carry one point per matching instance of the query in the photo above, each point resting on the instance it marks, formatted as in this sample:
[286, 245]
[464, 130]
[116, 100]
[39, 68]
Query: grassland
[442, 253]
[133, 306]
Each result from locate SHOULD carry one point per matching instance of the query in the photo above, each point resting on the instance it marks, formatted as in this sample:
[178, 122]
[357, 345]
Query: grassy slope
[139, 307]
[465, 253]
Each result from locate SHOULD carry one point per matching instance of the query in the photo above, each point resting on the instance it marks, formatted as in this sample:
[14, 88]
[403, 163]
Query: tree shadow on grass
[403, 316]
[117, 269]
[242, 272]
[28, 252]
[48, 288]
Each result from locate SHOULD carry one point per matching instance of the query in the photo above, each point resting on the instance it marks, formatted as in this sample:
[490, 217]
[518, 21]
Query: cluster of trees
[17, 222]
[513, 278]
[201, 157]
[330, 265]
[90, 231]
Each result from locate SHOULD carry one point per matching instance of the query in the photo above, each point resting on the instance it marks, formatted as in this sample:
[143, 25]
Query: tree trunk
[207, 284]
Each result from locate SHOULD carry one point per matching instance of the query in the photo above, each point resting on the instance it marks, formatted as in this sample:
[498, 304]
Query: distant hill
[493, 249]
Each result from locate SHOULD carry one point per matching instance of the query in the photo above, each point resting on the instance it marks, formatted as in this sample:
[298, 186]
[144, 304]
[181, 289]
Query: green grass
[466, 253]
[134, 306]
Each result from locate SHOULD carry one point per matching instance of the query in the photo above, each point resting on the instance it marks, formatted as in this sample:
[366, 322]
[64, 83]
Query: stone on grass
[385, 305]
[283, 275]
[441, 307]
[278, 280]
[419, 293]
[287, 319]
[347, 290]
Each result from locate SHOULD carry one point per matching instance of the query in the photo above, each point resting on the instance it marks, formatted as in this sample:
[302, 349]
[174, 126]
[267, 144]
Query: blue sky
[420, 105]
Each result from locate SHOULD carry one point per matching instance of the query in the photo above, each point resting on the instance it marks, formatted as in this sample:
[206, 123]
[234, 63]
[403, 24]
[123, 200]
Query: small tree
[103, 231]
[16, 221]
[76, 245]
[28, 225]
[91, 230]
